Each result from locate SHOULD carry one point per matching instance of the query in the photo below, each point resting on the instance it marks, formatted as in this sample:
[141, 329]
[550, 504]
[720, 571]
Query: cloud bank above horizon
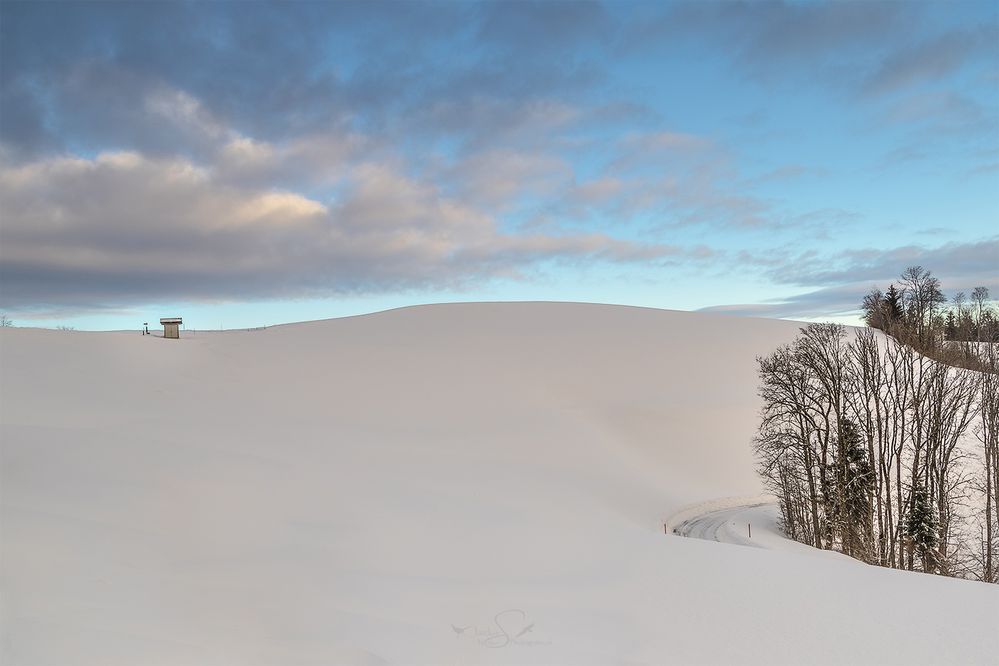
[774, 159]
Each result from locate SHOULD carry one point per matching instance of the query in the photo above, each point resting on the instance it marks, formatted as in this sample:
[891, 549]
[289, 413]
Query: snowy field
[454, 484]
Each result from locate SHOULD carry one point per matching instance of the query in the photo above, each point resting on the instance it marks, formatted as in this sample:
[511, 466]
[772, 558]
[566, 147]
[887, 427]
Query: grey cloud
[931, 59]
[83, 71]
[257, 66]
[481, 122]
[941, 115]
[22, 115]
[123, 228]
[497, 179]
[965, 262]
[833, 302]
[790, 172]
[686, 180]
[804, 33]
[839, 292]
[277, 71]
[782, 40]
[545, 26]
[854, 48]
[837, 301]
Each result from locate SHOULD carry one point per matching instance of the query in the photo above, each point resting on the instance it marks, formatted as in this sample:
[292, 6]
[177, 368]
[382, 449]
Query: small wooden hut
[171, 327]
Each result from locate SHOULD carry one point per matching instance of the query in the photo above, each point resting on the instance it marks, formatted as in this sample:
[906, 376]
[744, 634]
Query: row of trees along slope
[884, 444]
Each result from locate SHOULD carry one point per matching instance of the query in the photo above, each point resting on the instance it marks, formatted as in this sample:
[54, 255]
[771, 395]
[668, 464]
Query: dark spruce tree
[950, 326]
[921, 527]
[854, 480]
[883, 310]
[892, 306]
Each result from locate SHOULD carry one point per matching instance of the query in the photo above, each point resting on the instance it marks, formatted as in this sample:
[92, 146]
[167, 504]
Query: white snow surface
[455, 484]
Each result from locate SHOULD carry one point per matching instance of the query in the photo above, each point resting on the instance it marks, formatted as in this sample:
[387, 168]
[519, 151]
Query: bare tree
[979, 297]
[950, 408]
[871, 397]
[987, 432]
[866, 441]
[874, 309]
[788, 445]
[922, 294]
[822, 352]
[862, 442]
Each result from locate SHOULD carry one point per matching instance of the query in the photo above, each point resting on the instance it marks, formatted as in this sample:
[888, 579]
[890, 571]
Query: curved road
[732, 525]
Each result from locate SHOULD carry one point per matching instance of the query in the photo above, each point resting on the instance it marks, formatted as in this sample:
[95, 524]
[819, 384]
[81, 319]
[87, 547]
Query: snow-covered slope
[455, 484]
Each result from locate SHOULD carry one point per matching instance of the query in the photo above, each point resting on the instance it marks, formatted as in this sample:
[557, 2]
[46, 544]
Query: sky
[247, 164]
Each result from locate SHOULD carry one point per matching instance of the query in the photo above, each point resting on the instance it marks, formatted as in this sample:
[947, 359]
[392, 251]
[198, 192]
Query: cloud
[498, 178]
[861, 49]
[76, 75]
[942, 115]
[180, 150]
[832, 302]
[92, 66]
[177, 108]
[483, 121]
[686, 180]
[125, 228]
[545, 26]
[963, 262]
[840, 301]
[83, 75]
[840, 291]
[790, 172]
[311, 161]
[929, 60]
[783, 41]
[683, 178]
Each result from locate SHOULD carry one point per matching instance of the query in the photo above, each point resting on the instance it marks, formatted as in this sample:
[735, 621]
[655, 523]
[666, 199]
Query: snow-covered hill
[453, 484]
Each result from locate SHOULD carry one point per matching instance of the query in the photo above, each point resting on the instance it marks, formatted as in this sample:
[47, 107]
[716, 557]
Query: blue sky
[243, 164]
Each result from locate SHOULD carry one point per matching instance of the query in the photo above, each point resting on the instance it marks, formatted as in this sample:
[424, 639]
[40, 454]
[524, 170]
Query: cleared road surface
[733, 524]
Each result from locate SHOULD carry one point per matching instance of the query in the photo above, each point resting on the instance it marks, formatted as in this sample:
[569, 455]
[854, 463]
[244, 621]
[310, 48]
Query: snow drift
[473, 483]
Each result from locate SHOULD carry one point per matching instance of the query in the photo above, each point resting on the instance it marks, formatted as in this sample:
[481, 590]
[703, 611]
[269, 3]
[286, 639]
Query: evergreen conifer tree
[892, 306]
[950, 327]
[920, 525]
[851, 509]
